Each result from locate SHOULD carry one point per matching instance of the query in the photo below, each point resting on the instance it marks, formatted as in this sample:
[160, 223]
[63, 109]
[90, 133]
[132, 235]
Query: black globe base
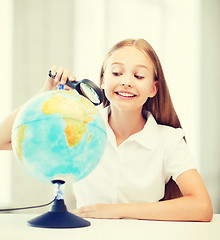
[58, 217]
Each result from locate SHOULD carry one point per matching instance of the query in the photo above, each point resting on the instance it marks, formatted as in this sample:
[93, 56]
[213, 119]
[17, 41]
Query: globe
[58, 134]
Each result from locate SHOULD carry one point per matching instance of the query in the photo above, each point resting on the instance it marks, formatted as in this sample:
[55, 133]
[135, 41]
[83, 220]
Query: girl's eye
[138, 77]
[116, 74]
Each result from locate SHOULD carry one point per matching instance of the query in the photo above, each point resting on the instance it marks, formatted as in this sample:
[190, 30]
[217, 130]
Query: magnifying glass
[86, 88]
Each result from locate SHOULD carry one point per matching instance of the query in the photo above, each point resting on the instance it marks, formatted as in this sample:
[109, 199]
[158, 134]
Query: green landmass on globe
[59, 134]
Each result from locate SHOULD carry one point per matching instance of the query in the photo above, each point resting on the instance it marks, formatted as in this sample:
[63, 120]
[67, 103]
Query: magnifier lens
[90, 93]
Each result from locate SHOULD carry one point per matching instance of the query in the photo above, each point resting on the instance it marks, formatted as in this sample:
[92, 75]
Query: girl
[146, 148]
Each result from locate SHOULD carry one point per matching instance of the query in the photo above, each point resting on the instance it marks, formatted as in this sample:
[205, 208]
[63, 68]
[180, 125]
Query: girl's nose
[127, 81]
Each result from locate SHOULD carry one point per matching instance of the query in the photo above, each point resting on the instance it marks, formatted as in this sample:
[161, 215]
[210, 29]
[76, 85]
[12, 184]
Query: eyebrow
[139, 65]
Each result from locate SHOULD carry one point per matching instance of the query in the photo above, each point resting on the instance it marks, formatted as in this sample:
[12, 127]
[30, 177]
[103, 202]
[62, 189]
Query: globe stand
[58, 216]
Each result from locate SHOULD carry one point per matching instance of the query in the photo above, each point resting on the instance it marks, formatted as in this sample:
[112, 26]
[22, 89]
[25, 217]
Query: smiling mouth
[123, 94]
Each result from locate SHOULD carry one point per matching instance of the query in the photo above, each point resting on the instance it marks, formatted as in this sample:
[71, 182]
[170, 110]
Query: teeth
[125, 94]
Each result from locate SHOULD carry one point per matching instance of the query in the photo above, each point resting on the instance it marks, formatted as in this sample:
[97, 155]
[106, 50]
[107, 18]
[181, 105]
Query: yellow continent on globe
[71, 109]
[20, 138]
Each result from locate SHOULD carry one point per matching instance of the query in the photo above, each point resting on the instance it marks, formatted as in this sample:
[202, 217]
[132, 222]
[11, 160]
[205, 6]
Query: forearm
[6, 128]
[182, 209]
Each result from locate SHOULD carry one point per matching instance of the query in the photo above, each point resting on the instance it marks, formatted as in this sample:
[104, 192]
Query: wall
[76, 34]
[6, 56]
[210, 99]
[42, 37]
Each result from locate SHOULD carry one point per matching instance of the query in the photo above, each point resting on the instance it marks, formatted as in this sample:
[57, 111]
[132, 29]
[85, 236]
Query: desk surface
[14, 226]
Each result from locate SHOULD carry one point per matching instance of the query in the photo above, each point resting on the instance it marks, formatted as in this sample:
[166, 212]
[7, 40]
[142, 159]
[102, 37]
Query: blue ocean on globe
[59, 134]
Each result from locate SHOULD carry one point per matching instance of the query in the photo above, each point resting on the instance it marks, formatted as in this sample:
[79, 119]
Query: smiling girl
[147, 171]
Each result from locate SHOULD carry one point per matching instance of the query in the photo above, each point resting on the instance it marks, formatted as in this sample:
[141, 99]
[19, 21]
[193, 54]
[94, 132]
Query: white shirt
[139, 168]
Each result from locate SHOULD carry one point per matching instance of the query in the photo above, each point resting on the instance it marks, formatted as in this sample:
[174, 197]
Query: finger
[53, 70]
[87, 215]
[81, 212]
[75, 212]
[52, 75]
[83, 209]
[50, 83]
[78, 212]
[72, 78]
[64, 77]
[59, 73]
[68, 88]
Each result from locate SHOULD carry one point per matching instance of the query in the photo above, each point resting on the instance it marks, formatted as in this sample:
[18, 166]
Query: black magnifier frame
[91, 86]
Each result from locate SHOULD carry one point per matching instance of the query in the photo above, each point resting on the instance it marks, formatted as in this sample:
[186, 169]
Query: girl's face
[128, 79]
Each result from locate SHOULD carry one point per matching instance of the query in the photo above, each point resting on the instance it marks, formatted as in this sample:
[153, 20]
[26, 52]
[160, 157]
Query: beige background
[77, 35]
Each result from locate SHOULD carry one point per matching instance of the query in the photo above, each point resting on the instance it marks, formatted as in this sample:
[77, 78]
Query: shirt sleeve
[178, 158]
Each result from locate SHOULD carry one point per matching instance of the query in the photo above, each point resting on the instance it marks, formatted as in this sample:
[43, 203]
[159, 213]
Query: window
[5, 92]
[171, 27]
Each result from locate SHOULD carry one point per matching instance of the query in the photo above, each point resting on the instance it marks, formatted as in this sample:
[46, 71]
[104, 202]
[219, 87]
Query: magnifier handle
[72, 84]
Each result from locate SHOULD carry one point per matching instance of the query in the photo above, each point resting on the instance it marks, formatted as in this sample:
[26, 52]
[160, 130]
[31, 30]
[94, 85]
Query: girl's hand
[99, 211]
[61, 76]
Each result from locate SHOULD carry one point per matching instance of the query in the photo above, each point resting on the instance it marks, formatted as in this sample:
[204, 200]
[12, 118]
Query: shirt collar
[146, 137]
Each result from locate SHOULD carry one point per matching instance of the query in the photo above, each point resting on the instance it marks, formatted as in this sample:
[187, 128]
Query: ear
[154, 89]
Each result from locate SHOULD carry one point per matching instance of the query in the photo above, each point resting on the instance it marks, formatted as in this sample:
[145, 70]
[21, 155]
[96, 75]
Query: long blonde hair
[160, 105]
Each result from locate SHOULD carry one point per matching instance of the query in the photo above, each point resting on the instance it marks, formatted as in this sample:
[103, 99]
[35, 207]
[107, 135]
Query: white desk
[15, 227]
